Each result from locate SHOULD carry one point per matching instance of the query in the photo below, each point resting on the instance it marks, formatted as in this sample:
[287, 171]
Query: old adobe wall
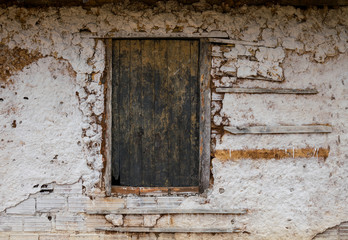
[52, 105]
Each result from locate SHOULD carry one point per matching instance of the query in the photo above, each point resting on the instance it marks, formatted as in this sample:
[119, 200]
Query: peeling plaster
[51, 113]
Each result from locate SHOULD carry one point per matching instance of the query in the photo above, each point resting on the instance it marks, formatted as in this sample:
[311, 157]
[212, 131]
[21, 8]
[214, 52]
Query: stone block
[27, 207]
[70, 223]
[50, 203]
[37, 224]
[77, 204]
[142, 202]
[115, 219]
[24, 237]
[133, 221]
[105, 204]
[151, 220]
[169, 202]
[11, 224]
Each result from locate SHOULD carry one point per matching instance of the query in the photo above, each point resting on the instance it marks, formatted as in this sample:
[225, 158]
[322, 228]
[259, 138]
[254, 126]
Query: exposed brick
[70, 223]
[118, 236]
[105, 204]
[37, 224]
[77, 204]
[11, 224]
[26, 207]
[94, 221]
[133, 220]
[50, 203]
[24, 237]
[85, 237]
[66, 189]
[4, 236]
[54, 236]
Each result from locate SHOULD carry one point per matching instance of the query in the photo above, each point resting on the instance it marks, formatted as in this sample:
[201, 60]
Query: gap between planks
[266, 90]
[169, 230]
[134, 211]
[279, 129]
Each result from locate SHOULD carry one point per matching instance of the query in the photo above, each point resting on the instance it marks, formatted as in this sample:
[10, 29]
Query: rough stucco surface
[51, 108]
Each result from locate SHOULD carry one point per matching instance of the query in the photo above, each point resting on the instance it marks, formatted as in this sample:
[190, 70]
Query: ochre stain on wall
[256, 154]
[14, 60]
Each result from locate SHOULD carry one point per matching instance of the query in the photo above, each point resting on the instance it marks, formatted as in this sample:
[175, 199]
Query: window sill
[150, 191]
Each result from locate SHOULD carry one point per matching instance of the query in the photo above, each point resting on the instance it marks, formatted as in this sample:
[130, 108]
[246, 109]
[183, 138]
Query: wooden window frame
[204, 114]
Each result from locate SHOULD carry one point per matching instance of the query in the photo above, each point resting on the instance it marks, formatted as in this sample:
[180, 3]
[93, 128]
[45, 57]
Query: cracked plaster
[61, 142]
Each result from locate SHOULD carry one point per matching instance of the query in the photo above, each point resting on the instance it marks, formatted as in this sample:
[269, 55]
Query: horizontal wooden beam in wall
[168, 230]
[234, 42]
[211, 35]
[266, 90]
[266, 154]
[140, 211]
[279, 129]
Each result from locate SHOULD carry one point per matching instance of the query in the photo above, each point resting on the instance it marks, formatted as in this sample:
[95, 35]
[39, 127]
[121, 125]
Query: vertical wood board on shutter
[155, 112]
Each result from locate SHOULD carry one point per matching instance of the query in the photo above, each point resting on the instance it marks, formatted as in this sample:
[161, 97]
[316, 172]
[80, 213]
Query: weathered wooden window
[158, 111]
[155, 115]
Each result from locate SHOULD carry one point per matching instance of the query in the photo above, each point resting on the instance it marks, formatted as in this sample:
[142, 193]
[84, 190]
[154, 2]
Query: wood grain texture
[156, 112]
[279, 129]
[108, 117]
[205, 117]
[118, 35]
[266, 90]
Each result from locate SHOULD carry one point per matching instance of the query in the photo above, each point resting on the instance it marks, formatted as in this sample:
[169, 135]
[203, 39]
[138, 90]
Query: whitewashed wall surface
[293, 185]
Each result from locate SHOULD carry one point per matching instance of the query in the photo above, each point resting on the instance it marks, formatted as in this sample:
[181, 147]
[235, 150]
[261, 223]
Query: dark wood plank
[194, 99]
[205, 118]
[184, 119]
[174, 65]
[136, 128]
[115, 109]
[108, 118]
[148, 112]
[124, 102]
[161, 114]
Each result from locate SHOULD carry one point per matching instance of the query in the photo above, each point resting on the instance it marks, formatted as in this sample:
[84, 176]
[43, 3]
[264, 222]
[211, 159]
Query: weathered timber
[268, 154]
[155, 112]
[260, 78]
[279, 129]
[169, 230]
[205, 114]
[266, 90]
[108, 117]
[120, 35]
[140, 211]
[233, 42]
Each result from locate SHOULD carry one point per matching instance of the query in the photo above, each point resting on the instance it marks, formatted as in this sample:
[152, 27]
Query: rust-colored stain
[256, 154]
[14, 60]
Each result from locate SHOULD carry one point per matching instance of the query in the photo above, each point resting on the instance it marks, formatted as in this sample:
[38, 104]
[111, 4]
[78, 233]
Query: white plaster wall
[287, 199]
